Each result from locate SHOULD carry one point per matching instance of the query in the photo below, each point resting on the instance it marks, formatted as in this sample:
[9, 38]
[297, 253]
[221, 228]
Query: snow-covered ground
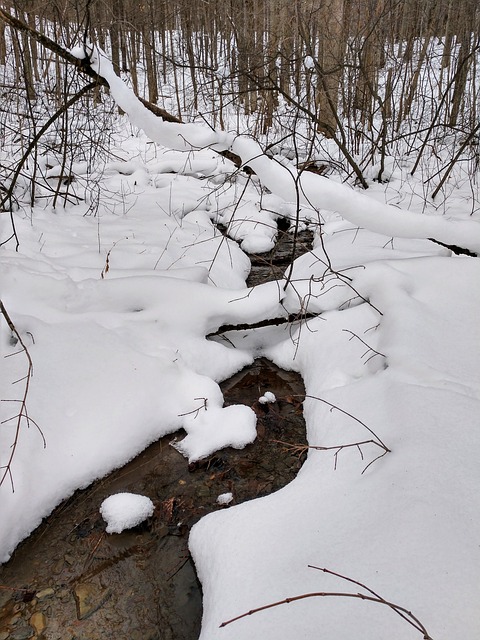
[114, 310]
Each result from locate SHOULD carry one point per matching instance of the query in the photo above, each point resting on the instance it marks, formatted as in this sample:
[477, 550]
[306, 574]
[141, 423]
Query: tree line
[364, 73]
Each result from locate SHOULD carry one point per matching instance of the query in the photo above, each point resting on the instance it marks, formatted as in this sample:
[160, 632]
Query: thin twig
[334, 406]
[23, 413]
[300, 449]
[375, 352]
[360, 584]
[404, 613]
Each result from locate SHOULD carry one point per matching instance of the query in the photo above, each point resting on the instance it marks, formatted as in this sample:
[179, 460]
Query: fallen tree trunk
[302, 188]
[83, 66]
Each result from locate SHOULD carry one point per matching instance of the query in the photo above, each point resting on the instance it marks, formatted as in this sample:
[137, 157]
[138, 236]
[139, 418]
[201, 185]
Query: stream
[70, 580]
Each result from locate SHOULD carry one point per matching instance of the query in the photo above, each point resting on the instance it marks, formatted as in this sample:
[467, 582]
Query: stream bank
[71, 581]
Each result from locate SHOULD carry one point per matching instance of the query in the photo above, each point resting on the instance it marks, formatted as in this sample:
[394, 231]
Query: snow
[267, 398]
[125, 510]
[215, 429]
[225, 498]
[407, 527]
[309, 62]
[283, 179]
[114, 309]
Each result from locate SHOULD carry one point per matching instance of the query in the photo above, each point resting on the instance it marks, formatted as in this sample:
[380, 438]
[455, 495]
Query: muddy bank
[72, 581]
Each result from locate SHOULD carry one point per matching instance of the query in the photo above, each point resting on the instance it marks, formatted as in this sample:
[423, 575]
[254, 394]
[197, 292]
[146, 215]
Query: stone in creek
[89, 598]
[38, 621]
[44, 593]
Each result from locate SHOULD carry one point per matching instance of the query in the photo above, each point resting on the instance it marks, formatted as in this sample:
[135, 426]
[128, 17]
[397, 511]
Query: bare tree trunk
[463, 66]
[330, 64]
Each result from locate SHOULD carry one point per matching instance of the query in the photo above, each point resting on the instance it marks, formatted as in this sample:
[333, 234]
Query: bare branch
[23, 412]
[404, 613]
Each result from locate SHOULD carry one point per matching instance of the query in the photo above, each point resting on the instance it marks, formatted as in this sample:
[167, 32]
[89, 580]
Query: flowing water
[71, 581]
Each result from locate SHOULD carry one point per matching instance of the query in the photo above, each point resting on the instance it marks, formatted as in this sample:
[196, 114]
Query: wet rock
[58, 567]
[44, 593]
[89, 598]
[22, 632]
[64, 595]
[38, 621]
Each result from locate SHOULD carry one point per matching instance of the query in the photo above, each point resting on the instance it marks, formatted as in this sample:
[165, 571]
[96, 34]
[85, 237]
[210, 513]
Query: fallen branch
[404, 613]
[459, 251]
[272, 322]
[82, 66]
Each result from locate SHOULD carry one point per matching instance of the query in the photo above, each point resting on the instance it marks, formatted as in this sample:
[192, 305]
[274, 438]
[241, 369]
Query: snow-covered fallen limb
[284, 180]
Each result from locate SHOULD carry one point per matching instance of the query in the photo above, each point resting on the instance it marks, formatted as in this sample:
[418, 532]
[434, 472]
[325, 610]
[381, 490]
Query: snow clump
[125, 510]
[267, 398]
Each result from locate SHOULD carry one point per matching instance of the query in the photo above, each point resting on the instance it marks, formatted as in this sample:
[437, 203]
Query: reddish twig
[404, 613]
[396, 608]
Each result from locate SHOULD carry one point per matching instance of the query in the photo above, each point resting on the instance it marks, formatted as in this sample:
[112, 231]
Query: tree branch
[23, 412]
[82, 66]
[404, 613]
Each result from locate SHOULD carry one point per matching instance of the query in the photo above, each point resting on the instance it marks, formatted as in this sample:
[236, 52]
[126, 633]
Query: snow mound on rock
[125, 510]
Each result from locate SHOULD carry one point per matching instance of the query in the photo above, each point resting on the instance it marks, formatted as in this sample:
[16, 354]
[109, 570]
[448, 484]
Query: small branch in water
[2, 586]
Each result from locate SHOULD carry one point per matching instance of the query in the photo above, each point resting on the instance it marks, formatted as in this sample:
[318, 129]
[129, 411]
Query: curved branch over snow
[315, 190]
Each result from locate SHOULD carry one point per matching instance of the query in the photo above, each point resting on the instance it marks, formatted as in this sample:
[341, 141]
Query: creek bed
[71, 581]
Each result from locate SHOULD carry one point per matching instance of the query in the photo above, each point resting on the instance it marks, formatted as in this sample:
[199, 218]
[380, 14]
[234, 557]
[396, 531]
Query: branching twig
[346, 413]
[197, 410]
[374, 351]
[376, 440]
[6, 470]
[300, 449]
[404, 613]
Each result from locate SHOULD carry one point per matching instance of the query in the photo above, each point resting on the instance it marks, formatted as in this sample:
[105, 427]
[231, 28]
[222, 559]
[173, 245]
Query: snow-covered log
[284, 180]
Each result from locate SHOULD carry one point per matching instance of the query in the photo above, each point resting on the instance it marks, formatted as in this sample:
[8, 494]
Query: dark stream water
[71, 581]
[75, 581]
